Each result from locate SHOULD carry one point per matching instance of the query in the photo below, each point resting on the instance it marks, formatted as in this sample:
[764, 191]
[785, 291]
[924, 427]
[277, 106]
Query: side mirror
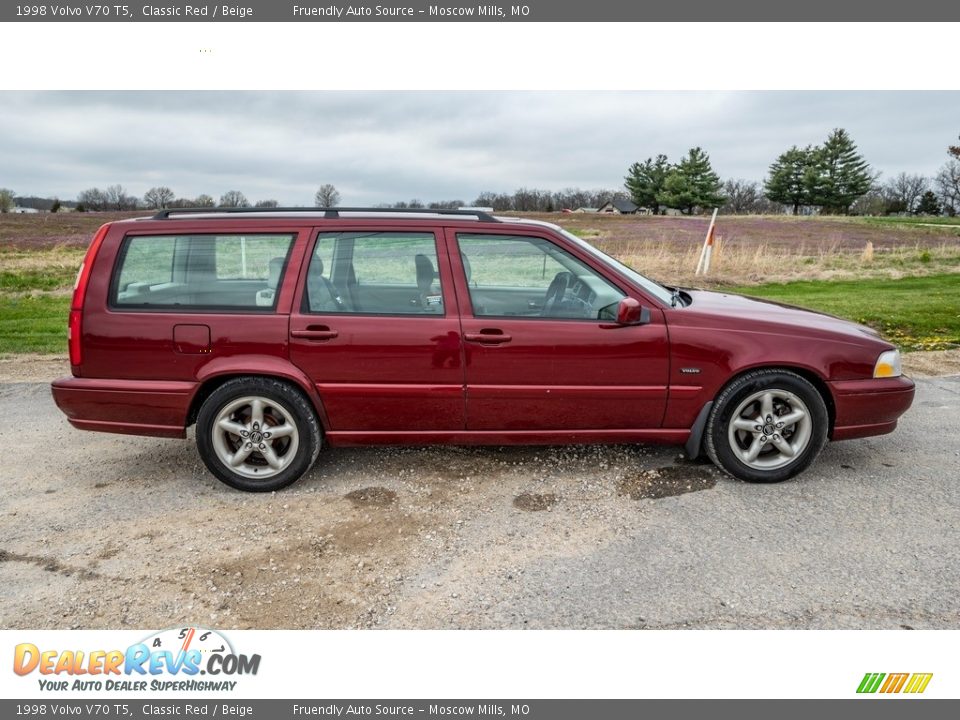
[631, 312]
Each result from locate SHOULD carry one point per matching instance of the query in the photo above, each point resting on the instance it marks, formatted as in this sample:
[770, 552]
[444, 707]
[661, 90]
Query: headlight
[888, 365]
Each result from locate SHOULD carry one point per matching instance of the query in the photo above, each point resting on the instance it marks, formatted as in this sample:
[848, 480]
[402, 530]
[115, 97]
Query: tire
[227, 427]
[766, 426]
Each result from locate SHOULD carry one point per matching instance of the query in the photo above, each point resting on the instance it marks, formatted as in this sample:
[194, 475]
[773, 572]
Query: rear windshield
[165, 272]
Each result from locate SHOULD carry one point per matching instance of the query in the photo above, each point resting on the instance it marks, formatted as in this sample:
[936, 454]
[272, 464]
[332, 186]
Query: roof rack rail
[170, 213]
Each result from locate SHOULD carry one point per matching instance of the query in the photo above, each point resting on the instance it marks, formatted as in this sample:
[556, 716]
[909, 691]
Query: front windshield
[654, 288]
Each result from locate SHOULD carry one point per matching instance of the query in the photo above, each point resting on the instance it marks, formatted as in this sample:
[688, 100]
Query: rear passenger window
[166, 272]
[375, 273]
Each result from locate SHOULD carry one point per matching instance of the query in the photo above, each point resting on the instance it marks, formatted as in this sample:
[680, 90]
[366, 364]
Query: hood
[737, 311]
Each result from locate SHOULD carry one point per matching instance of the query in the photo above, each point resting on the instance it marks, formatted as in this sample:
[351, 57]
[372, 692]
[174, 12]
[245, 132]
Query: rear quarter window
[200, 272]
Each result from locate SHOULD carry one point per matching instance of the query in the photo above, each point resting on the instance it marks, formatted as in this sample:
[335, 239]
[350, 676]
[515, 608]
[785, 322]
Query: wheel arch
[808, 374]
[211, 378]
[694, 446]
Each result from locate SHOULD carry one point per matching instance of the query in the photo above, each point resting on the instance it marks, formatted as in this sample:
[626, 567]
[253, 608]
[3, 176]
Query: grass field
[898, 275]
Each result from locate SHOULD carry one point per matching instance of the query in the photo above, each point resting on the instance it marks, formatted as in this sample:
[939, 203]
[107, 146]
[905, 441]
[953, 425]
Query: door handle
[315, 332]
[488, 337]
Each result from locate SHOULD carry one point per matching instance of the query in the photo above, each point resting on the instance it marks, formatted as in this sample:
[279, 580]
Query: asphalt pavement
[112, 531]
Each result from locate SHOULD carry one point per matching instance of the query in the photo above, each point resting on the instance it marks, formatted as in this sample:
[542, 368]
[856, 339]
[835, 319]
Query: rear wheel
[257, 434]
[767, 426]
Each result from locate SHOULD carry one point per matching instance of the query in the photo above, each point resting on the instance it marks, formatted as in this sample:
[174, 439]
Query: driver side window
[518, 276]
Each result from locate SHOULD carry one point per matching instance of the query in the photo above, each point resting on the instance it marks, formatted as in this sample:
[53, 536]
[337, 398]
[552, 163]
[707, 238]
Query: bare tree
[93, 199]
[873, 202]
[234, 199]
[498, 201]
[904, 192]
[203, 200]
[158, 197]
[117, 198]
[6, 200]
[266, 204]
[948, 183]
[327, 196]
[743, 196]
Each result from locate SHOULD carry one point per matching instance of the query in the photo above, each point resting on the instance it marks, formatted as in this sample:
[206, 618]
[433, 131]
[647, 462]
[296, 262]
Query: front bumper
[869, 407]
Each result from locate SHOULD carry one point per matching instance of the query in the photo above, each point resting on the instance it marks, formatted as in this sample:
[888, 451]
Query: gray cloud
[385, 146]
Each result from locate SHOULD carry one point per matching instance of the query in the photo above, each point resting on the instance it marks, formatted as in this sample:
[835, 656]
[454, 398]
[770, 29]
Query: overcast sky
[387, 146]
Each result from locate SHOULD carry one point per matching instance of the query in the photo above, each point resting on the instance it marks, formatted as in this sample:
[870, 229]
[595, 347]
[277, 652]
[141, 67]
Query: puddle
[535, 502]
[666, 482]
[371, 497]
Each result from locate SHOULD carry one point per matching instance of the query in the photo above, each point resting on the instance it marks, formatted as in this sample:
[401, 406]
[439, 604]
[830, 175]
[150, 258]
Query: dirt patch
[372, 497]
[933, 363]
[33, 367]
[328, 574]
[535, 502]
[666, 482]
[49, 564]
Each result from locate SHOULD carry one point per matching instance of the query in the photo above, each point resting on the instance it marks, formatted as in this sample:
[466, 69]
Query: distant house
[24, 210]
[620, 207]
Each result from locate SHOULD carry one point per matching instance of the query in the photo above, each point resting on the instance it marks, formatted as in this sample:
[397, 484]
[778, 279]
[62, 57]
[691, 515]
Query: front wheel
[766, 426]
[257, 434]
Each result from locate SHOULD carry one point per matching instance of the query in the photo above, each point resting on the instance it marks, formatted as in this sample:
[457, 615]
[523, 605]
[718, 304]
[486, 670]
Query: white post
[703, 264]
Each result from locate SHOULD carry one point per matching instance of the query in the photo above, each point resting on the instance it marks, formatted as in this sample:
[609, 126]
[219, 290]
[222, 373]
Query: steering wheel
[555, 293]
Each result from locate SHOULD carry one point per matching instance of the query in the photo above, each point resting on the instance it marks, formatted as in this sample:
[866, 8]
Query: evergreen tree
[790, 176]
[842, 175]
[928, 204]
[692, 184]
[645, 181]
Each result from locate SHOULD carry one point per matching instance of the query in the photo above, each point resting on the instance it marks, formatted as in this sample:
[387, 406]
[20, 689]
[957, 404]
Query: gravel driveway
[108, 531]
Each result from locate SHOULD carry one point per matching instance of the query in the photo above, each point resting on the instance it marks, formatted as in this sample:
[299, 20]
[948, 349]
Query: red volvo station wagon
[278, 331]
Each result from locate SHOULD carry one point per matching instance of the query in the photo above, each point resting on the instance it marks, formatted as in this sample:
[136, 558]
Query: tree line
[115, 197]
[831, 178]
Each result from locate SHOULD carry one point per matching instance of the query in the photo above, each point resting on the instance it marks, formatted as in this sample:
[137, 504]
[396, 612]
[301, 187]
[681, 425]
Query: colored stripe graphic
[870, 682]
[918, 683]
[894, 683]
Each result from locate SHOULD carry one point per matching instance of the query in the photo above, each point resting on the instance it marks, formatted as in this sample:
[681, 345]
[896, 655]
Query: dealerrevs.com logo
[169, 660]
[910, 683]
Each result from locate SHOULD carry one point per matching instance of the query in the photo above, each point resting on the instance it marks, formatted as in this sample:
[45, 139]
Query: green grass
[45, 279]
[916, 313]
[34, 324]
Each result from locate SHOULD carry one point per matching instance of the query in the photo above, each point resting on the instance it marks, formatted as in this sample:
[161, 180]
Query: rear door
[541, 350]
[377, 329]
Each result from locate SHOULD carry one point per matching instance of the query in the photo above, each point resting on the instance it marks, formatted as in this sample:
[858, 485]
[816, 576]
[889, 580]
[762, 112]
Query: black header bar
[579, 11]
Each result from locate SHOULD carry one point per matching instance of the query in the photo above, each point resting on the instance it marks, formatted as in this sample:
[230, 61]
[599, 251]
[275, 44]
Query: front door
[378, 332]
[542, 351]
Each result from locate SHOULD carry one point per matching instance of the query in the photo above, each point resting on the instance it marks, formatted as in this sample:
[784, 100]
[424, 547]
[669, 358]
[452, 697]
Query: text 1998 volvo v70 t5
[276, 332]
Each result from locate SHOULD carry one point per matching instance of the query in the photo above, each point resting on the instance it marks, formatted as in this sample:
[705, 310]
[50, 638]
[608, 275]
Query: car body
[426, 327]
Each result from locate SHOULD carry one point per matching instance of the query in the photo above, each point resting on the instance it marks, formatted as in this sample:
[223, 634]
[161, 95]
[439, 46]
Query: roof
[624, 206]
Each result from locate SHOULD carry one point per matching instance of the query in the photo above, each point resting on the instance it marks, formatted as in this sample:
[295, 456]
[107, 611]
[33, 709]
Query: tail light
[73, 336]
[75, 327]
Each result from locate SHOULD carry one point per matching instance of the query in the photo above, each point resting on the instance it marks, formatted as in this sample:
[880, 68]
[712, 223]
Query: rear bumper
[869, 407]
[132, 407]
